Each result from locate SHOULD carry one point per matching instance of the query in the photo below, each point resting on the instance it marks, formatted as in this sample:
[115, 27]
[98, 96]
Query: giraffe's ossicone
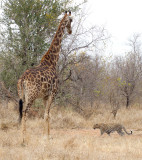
[41, 81]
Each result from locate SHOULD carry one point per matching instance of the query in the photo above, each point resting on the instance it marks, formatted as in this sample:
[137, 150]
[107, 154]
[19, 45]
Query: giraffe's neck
[52, 55]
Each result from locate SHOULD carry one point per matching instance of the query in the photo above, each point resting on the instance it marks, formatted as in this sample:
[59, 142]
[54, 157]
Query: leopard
[110, 128]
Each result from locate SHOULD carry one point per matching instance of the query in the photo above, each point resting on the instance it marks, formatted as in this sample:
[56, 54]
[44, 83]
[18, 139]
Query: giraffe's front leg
[47, 123]
[47, 103]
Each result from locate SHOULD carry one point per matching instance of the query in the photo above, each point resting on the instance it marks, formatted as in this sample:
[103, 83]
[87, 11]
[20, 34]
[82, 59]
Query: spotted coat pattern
[110, 128]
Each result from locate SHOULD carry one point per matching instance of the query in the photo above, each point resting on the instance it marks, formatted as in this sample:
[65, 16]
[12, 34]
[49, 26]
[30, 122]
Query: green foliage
[123, 83]
[97, 93]
[29, 25]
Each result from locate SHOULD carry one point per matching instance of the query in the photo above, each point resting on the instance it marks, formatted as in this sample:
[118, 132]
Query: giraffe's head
[68, 21]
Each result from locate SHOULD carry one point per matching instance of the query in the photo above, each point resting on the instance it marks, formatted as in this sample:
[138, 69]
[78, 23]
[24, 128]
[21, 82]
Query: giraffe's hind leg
[24, 127]
[121, 133]
[24, 119]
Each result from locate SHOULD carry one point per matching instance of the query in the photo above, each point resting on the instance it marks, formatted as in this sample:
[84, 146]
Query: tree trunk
[127, 102]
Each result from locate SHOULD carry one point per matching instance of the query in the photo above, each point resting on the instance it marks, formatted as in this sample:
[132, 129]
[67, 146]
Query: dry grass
[72, 136]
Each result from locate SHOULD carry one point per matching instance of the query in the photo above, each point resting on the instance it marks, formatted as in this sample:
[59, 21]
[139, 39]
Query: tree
[83, 86]
[129, 71]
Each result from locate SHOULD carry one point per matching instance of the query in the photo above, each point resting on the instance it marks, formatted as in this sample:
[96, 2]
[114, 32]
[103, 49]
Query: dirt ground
[69, 144]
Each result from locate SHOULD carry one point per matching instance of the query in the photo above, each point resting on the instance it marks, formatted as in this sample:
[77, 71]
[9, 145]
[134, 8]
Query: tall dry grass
[72, 136]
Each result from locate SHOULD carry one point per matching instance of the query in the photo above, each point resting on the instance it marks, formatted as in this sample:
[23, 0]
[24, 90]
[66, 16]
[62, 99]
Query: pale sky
[122, 18]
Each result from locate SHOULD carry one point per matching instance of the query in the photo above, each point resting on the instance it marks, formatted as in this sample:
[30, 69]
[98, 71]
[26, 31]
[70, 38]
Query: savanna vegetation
[93, 88]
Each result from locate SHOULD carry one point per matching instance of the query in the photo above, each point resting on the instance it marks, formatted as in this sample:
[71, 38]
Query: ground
[72, 137]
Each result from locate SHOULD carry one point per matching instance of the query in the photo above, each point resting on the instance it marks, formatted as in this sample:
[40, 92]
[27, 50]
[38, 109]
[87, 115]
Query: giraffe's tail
[20, 110]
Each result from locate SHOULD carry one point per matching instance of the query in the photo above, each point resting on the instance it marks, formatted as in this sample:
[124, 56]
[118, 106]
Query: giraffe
[41, 81]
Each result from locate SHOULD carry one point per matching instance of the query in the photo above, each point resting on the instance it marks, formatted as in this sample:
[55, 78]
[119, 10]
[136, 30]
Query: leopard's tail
[127, 132]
